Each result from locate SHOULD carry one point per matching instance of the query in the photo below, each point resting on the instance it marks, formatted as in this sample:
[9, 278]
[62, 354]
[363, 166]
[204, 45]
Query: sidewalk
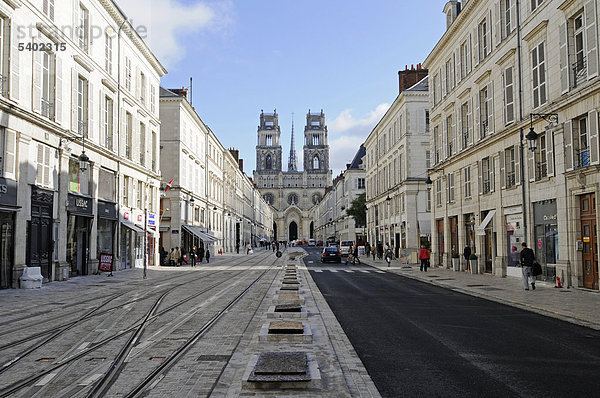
[572, 305]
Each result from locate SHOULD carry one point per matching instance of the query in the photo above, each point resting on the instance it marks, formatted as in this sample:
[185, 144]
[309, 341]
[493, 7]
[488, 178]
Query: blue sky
[247, 55]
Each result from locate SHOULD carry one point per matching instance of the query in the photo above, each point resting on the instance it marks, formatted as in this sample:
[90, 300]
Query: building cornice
[537, 29]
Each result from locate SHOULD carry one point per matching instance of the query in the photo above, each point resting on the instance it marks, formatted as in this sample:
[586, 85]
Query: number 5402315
[42, 46]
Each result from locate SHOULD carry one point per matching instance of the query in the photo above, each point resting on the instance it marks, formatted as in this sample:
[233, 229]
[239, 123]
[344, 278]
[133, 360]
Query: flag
[169, 185]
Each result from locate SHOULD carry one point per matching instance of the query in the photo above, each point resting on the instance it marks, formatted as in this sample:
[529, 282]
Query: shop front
[132, 246]
[514, 238]
[8, 209]
[39, 232]
[107, 227]
[486, 230]
[546, 237]
[440, 242]
[79, 225]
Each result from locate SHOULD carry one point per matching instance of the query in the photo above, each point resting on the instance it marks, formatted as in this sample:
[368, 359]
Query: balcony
[579, 71]
[582, 158]
[47, 109]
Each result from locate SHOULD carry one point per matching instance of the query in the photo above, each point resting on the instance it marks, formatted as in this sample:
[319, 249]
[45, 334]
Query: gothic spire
[292, 162]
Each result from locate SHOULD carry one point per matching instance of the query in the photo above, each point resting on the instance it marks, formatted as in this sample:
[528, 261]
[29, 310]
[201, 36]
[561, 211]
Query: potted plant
[455, 261]
[474, 264]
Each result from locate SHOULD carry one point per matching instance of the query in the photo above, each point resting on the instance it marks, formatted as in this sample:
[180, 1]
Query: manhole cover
[281, 363]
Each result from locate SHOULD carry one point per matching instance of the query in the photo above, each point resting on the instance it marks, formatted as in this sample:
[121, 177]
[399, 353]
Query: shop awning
[480, 230]
[198, 232]
[424, 223]
[132, 227]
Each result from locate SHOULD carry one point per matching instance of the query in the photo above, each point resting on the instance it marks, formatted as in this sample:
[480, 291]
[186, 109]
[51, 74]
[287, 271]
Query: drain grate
[477, 285]
[213, 358]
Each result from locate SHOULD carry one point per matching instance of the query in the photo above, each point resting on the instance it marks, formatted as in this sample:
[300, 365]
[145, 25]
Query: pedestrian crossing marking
[318, 270]
[350, 271]
[365, 271]
[333, 270]
[45, 379]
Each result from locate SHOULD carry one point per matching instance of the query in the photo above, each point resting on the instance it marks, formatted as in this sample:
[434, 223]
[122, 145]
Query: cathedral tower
[316, 148]
[268, 150]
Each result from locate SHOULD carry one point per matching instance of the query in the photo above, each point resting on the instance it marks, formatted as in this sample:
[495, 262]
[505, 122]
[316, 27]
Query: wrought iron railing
[510, 179]
[582, 158]
[579, 71]
[47, 108]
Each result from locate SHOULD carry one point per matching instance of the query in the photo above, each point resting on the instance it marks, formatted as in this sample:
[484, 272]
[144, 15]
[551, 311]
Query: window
[140, 195]
[268, 163]
[154, 151]
[76, 183]
[108, 53]
[465, 113]
[450, 188]
[129, 136]
[142, 88]
[142, 144]
[82, 106]
[8, 147]
[510, 167]
[128, 73]
[436, 91]
[48, 81]
[436, 144]
[580, 142]
[539, 75]
[315, 139]
[427, 121]
[486, 175]
[82, 29]
[427, 159]
[4, 54]
[400, 168]
[316, 163]
[485, 112]
[483, 32]
[579, 36]
[507, 18]
[535, 4]
[428, 199]
[48, 9]
[360, 183]
[438, 192]
[449, 136]
[108, 123]
[44, 171]
[449, 69]
[269, 140]
[465, 58]
[467, 178]
[509, 100]
[153, 99]
[541, 158]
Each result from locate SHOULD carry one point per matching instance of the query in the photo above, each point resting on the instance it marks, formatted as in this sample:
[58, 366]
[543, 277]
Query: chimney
[183, 92]
[410, 77]
[235, 153]
[241, 163]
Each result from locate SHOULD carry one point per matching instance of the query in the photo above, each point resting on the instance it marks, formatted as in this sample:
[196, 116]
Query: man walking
[424, 257]
[527, 259]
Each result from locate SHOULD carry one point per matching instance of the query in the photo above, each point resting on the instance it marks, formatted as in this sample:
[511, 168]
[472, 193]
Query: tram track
[135, 330]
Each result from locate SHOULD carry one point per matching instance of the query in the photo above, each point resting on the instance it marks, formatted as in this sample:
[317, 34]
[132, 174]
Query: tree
[358, 210]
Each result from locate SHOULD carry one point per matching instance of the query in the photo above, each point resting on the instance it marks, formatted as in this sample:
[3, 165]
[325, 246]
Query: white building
[500, 69]
[397, 159]
[81, 76]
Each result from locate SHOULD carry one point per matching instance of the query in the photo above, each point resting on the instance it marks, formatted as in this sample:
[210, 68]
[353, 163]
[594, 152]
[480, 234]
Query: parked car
[319, 243]
[312, 242]
[346, 247]
[331, 253]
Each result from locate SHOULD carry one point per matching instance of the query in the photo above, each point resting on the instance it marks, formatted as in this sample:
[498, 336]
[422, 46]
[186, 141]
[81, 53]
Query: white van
[312, 242]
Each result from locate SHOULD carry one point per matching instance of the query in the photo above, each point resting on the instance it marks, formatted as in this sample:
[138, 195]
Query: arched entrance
[293, 231]
[275, 231]
[312, 229]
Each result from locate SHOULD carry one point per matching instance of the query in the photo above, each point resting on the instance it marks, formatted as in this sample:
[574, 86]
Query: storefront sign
[8, 192]
[539, 243]
[586, 239]
[152, 220]
[545, 212]
[106, 262]
[107, 210]
[79, 205]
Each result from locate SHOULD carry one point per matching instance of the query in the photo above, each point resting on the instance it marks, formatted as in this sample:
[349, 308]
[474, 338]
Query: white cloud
[169, 24]
[346, 133]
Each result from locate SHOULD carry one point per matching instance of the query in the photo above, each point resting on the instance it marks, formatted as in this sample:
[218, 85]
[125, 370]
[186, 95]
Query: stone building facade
[65, 92]
[397, 159]
[502, 69]
[292, 193]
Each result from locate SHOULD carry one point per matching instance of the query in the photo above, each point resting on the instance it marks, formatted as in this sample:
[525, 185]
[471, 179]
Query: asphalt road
[416, 339]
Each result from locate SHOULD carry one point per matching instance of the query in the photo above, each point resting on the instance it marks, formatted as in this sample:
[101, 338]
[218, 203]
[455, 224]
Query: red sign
[139, 218]
[126, 215]
[106, 262]
[539, 243]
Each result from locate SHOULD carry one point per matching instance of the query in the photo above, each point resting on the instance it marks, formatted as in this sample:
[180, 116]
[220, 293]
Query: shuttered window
[538, 65]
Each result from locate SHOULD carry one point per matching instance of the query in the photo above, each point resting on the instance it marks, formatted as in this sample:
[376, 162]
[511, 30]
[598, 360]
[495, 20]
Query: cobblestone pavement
[578, 306]
[215, 365]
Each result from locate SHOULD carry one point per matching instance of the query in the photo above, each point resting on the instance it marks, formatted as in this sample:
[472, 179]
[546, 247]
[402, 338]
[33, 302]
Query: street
[416, 339]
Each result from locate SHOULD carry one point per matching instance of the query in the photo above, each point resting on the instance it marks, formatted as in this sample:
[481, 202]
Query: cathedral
[292, 193]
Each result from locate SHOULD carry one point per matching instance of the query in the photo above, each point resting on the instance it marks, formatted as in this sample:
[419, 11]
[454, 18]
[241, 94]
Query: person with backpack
[527, 259]
[389, 255]
[424, 257]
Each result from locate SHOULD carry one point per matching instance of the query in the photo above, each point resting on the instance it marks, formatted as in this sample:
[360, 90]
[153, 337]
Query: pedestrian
[248, 249]
[172, 257]
[355, 255]
[193, 255]
[200, 254]
[367, 249]
[207, 255]
[163, 255]
[467, 253]
[178, 255]
[237, 248]
[527, 260]
[184, 256]
[424, 257]
[388, 255]
[379, 250]
[274, 247]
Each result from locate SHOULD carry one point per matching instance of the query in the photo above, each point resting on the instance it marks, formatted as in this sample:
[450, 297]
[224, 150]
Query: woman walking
[207, 255]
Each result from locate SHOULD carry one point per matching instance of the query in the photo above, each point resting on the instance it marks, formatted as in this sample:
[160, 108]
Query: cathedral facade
[292, 193]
